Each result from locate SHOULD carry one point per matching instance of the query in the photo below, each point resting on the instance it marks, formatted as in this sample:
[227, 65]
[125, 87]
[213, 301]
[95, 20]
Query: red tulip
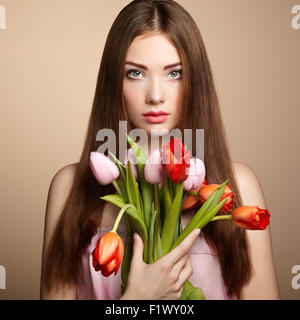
[108, 254]
[176, 160]
[191, 200]
[207, 190]
[251, 217]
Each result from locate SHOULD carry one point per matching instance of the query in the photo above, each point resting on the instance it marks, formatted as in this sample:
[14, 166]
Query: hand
[163, 279]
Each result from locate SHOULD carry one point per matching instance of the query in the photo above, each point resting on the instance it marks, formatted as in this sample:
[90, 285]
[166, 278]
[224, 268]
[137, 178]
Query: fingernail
[197, 231]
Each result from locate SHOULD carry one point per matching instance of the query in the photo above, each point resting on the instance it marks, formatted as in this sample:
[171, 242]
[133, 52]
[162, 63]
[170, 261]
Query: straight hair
[82, 212]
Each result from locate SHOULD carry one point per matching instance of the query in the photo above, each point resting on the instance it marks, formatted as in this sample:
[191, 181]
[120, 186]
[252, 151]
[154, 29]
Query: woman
[146, 37]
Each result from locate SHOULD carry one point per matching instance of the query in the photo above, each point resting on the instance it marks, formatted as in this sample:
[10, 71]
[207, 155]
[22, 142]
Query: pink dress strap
[207, 275]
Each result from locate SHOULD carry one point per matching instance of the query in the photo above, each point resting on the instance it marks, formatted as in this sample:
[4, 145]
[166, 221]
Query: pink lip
[155, 113]
[156, 119]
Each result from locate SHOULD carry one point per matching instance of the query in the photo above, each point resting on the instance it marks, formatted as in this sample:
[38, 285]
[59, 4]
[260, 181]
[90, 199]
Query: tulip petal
[108, 246]
[120, 254]
[251, 217]
[153, 170]
[190, 202]
[108, 268]
[104, 169]
[95, 255]
[176, 164]
[196, 174]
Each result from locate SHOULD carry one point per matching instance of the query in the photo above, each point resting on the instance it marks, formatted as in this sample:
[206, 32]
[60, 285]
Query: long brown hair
[82, 213]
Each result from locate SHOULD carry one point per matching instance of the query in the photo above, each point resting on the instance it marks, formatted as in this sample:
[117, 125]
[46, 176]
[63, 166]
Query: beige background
[49, 58]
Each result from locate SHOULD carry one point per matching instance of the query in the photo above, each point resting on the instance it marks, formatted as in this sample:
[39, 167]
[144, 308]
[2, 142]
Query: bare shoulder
[249, 185]
[241, 169]
[264, 284]
[64, 176]
[59, 189]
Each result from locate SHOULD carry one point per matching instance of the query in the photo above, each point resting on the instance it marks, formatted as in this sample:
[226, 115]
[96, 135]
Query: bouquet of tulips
[151, 194]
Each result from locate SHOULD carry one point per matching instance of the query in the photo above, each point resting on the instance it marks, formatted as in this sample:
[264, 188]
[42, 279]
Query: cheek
[132, 98]
[177, 105]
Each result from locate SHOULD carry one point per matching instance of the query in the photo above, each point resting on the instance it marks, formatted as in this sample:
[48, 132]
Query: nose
[154, 95]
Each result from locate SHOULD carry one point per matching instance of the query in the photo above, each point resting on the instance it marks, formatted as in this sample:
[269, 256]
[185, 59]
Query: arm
[58, 192]
[263, 284]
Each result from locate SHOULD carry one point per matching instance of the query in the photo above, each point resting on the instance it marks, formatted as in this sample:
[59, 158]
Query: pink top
[206, 272]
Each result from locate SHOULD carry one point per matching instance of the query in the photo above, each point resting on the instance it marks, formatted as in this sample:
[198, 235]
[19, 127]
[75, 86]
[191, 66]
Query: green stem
[117, 187]
[222, 217]
[119, 217]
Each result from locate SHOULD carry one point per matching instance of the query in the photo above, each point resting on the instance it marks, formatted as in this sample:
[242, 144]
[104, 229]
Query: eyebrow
[141, 66]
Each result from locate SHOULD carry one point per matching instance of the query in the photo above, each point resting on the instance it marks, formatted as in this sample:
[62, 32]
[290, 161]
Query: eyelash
[133, 78]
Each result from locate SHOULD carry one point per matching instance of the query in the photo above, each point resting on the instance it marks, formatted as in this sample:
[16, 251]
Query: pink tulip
[104, 169]
[130, 155]
[154, 171]
[196, 175]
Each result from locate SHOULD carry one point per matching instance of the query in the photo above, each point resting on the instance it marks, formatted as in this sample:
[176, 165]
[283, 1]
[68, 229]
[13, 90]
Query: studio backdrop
[50, 52]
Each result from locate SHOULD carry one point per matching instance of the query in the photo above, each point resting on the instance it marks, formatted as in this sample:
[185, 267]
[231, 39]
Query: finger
[180, 264]
[177, 253]
[138, 248]
[185, 273]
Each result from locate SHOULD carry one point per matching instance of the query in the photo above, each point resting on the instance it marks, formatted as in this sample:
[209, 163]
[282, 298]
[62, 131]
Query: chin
[159, 130]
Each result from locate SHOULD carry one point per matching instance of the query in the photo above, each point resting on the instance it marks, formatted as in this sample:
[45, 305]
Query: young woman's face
[155, 87]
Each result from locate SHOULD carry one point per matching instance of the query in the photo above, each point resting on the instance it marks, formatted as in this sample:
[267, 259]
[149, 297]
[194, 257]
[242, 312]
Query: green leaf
[155, 238]
[158, 205]
[207, 218]
[171, 219]
[171, 187]
[196, 294]
[151, 234]
[177, 229]
[147, 189]
[219, 192]
[167, 197]
[148, 195]
[202, 223]
[187, 288]
[191, 292]
[156, 197]
[202, 212]
[121, 167]
[121, 188]
[140, 155]
[134, 218]
[159, 247]
[125, 268]
[133, 192]
[115, 199]
[185, 194]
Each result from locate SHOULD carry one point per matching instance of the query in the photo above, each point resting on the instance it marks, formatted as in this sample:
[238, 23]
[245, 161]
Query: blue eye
[130, 74]
[178, 71]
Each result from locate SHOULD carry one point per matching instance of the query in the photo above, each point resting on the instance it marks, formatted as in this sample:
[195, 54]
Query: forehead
[153, 49]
